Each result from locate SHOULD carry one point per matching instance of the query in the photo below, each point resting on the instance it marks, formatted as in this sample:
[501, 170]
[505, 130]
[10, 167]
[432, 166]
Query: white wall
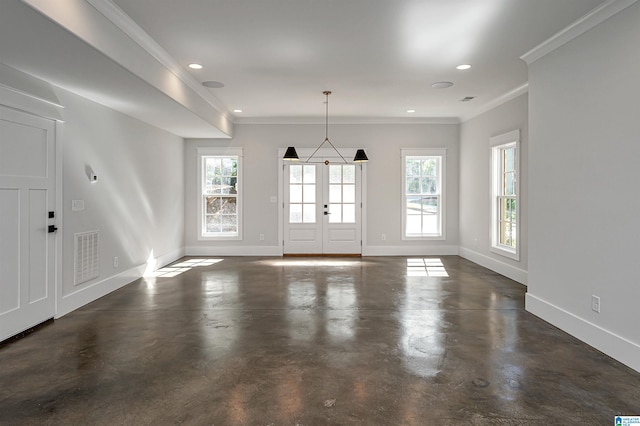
[383, 199]
[584, 225]
[137, 204]
[475, 186]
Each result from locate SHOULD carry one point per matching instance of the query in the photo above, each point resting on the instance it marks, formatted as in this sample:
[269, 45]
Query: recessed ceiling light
[411, 110]
[195, 66]
[237, 110]
[463, 67]
[213, 84]
[442, 84]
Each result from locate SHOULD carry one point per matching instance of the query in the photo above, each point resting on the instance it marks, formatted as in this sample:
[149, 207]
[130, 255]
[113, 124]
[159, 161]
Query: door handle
[326, 213]
[52, 229]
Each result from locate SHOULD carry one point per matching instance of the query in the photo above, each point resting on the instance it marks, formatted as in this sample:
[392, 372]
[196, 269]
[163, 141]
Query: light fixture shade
[291, 154]
[360, 157]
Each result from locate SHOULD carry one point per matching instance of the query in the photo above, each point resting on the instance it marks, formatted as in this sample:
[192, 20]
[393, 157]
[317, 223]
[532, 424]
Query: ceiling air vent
[467, 98]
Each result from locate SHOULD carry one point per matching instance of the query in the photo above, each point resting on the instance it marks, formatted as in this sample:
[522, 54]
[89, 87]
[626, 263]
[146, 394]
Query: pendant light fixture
[292, 155]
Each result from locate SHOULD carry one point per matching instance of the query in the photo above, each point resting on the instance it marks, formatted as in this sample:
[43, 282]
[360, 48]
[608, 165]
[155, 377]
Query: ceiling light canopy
[442, 85]
[213, 84]
[292, 155]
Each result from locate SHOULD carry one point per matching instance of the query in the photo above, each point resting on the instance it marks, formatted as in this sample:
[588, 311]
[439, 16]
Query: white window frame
[426, 152]
[498, 144]
[202, 153]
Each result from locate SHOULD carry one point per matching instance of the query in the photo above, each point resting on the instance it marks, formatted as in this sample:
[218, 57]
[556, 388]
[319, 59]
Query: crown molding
[496, 102]
[346, 120]
[121, 20]
[596, 16]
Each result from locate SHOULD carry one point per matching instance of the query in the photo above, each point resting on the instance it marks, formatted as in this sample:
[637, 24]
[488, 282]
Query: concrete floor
[312, 341]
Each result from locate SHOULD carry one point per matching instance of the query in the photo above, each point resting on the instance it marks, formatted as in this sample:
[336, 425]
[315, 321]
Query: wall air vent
[86, 257]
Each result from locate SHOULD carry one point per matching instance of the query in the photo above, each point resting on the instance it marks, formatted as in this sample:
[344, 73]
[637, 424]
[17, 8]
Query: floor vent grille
[86, 250]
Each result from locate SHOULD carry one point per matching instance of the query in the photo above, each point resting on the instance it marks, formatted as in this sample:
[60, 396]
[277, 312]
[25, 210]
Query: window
[505, 200]
[423, 193]
[220, 209]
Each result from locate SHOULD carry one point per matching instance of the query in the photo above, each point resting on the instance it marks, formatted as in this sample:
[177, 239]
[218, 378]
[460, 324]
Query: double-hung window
[220, 188]
[505, 194]
[423, 203]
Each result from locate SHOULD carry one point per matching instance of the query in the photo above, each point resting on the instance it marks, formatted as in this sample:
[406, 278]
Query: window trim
[425, 152]
[497, 144]
[201, 153]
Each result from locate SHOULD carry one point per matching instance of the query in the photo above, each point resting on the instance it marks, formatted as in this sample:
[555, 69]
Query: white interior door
[27, 195]
[322, 208]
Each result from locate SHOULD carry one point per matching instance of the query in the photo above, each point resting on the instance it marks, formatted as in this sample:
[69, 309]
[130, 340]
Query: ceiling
[276, 57]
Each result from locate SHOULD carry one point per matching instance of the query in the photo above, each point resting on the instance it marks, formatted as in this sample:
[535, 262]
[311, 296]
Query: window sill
[511, 254]
[219, 238]
[423, 238]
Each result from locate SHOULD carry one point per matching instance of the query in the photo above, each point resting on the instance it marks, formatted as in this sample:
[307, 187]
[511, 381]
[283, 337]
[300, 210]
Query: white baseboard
[410, 250]
[233, 251]
[516, 274]
[617, 347]
[166, 259]
[77, 299]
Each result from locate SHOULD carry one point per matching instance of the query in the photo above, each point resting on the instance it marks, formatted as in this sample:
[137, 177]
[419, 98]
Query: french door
[27, 228]
[322, 207]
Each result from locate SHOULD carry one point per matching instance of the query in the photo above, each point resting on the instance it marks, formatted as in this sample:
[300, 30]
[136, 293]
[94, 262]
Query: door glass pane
[295, 213]
[309, 193]
[309, 173]
[335, 174]
[295, 193]
[335, 211]
[349, 174]
[295, 174]
[335, 193]
[348, 213]
[309, 213]
[349, 194]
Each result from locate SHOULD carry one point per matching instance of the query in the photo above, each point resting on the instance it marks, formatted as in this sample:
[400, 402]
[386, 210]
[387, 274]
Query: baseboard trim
[617, 347]
[72, 301]
[410, 250]
[233, 251]
[516, 274]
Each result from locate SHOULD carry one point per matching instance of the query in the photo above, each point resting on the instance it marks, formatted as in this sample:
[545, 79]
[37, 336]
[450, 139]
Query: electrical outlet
[115, 262]
[383, 237]
[261, 237]
[595, 303]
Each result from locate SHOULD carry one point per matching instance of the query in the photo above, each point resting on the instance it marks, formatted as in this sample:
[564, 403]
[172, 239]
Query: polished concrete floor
[312, 341]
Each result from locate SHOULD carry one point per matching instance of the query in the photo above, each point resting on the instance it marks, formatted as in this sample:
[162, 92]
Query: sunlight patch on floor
[182, 267]
[427, 267]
